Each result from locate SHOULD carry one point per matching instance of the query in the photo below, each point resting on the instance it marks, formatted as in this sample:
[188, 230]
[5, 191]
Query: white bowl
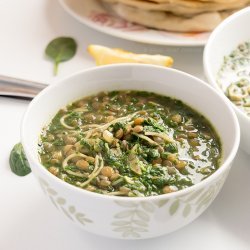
[223, 40]
[126, 217]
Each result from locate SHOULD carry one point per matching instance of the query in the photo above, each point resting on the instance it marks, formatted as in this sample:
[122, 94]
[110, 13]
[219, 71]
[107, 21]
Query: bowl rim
[35, 162]
[207, 69]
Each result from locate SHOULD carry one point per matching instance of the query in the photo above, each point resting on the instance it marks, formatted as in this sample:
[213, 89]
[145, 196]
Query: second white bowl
[223, 40]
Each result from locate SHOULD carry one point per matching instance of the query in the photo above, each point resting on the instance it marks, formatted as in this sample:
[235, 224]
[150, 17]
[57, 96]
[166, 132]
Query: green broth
[130, 143]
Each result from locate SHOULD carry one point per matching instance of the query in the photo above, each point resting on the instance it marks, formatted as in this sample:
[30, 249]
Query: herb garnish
[18, 162]
[61, 49]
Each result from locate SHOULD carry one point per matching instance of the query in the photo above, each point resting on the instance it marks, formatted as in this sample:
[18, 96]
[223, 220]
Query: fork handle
[14, 87]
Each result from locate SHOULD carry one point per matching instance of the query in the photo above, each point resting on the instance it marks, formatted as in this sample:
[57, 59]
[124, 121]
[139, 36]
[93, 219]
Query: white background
[27, 219]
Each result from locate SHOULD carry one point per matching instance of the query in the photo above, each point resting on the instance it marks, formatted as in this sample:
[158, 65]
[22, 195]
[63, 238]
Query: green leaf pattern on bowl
[134, 220]
[197, 200]
[60, 203]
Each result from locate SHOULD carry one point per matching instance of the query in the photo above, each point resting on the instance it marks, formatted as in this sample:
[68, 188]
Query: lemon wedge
[104, 55]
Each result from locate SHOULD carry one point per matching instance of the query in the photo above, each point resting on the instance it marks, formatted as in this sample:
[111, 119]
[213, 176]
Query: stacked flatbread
[177, 15]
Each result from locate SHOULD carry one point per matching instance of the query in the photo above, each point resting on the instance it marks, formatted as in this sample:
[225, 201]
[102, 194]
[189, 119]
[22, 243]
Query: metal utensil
[14, 87]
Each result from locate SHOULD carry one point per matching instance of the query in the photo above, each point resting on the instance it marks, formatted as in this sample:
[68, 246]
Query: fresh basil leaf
[61, 49]
[18, 162]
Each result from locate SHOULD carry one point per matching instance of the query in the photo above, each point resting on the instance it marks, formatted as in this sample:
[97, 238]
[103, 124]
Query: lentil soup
[130, 143]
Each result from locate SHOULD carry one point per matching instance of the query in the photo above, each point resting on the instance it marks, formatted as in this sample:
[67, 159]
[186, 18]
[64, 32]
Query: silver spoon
[19, 88]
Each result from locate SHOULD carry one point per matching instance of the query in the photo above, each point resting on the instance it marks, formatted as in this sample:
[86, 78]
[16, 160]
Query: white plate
[93, 14]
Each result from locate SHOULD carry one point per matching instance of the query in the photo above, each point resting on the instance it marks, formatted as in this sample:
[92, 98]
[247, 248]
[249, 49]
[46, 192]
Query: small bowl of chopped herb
[227, 67]
[130, 151]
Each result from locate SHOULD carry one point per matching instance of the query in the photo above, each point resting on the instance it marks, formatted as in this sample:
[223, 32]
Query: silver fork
[19, 88]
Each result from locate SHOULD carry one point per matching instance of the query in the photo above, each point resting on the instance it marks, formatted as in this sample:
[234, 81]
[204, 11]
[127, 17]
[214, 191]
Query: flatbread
[183, 8]
[167, 21]
[177, 1]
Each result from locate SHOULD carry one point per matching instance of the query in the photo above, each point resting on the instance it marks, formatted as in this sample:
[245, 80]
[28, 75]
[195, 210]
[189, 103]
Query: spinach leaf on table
[61, 49]
[18, 162]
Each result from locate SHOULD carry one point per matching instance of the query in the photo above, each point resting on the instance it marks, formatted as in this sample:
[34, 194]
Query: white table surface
[27, 219]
